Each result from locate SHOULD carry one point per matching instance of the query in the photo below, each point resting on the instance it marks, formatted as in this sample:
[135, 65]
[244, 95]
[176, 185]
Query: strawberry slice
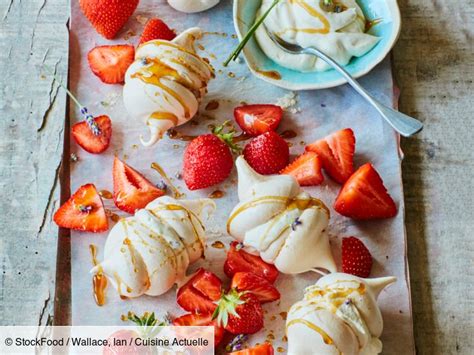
[262, 349]
[356, 258]
[199, 293]
[336, 152]
[238, 260]
[156, 29]
[257, 285]
[201, 320]
[110, 63]
[306, 169]
[364, 196]
[131, 190]
[84, 211]
[90, 142]
[258, 119]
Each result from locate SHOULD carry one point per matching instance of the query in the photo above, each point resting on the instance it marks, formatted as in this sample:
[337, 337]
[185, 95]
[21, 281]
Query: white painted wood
[32, 109]
[434, 65]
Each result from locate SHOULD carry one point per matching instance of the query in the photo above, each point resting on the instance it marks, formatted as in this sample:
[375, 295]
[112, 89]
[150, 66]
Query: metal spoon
[405, 125]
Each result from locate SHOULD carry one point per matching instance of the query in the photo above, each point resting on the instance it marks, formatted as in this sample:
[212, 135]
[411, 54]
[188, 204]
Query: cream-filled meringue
[338, 33]
[338, 315]
[193, 5]
[283, 223]
[151, 251]
[166, 83]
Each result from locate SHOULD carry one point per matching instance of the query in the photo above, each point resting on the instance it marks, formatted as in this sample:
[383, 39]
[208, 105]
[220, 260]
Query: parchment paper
[316, 114]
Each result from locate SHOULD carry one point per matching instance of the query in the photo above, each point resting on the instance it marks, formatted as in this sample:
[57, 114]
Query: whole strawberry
[156, 29]
[108, 16]
[208, 159]
[239, 312]
[356, 258]
[267, 154]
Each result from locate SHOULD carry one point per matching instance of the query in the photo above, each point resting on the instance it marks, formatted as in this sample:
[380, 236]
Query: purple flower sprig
[237, 343]
[91, 123]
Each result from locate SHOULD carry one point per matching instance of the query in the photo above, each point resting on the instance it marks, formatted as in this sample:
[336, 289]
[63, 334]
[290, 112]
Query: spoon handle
[405, 125]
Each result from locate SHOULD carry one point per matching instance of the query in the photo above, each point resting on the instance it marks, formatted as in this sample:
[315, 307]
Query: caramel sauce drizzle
[164, 116]
[272, 74]
[314, 13]
[326, 338]
[99, 280]
[155, 166]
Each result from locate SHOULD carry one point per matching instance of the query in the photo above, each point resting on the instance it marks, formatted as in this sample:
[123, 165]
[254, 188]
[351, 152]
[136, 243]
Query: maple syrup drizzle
[218, 245]
[212, 105]
[272, 74]
[159, 169]
[371, 23]
[217, 194]
[288, 134]
[174, 134]
[106, 194]
[99, 280]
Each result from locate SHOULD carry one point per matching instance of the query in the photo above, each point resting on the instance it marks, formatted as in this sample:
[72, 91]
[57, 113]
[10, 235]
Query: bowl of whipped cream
[358, 34]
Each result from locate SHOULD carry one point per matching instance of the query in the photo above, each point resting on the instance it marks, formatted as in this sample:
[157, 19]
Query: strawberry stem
[235, 54]
[91, 123]
[227, 138]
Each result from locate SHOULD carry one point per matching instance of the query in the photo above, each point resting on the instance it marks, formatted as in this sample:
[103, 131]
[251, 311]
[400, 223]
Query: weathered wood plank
[434, 63]
[32, 33]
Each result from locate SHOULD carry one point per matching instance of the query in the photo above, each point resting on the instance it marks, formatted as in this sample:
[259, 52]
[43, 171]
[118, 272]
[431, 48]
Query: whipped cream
[338, 315]
[283, 223]
[341, 35]
[166, 83]
[190, 6]
[151, 251]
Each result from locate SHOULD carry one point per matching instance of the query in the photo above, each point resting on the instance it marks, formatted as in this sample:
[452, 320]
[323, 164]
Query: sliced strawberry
[262, 349]
[207, 283]
[201, 320]
[199, 293]
[84, 211]
[356, 258]
[257, 285]
[336, 152]
[88, 141]
[306, 169]
[364, 196]
[131, 190]
[239, 260]
[156, 29]
[110, 63]
[258, 119]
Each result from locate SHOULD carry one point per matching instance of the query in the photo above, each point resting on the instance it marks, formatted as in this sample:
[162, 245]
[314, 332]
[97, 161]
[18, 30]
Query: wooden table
[433, 62]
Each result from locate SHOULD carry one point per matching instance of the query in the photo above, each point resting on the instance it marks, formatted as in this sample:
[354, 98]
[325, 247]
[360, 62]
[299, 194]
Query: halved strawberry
[90, 142]
[336, 152]
[156, 29]
[239, 312]
[108, 16]
[356, 258]
[258, 119]
[306, 169]
[131, 190]
[199, 293]
[110, 63]
[262, 349]
[84, 211]
[201, 320]
[239, 260]
[364, 196]
[257, 285]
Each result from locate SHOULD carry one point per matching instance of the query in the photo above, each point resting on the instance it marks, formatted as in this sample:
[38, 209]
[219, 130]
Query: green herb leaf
[235, 54]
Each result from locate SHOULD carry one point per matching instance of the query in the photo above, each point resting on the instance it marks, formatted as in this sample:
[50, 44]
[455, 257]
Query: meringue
[151, 251]
[341, 35]
[192, 6]
[166, 83]
[283, 223]
[338, 315]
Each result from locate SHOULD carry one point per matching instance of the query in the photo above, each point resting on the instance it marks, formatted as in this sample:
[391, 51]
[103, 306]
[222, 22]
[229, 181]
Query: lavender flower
[90, 121]
[295, 223]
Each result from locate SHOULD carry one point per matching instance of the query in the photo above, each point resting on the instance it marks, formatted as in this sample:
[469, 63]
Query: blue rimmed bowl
[262, 66]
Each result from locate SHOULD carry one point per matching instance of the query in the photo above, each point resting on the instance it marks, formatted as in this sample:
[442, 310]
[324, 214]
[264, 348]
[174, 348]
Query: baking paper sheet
[315, 114]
